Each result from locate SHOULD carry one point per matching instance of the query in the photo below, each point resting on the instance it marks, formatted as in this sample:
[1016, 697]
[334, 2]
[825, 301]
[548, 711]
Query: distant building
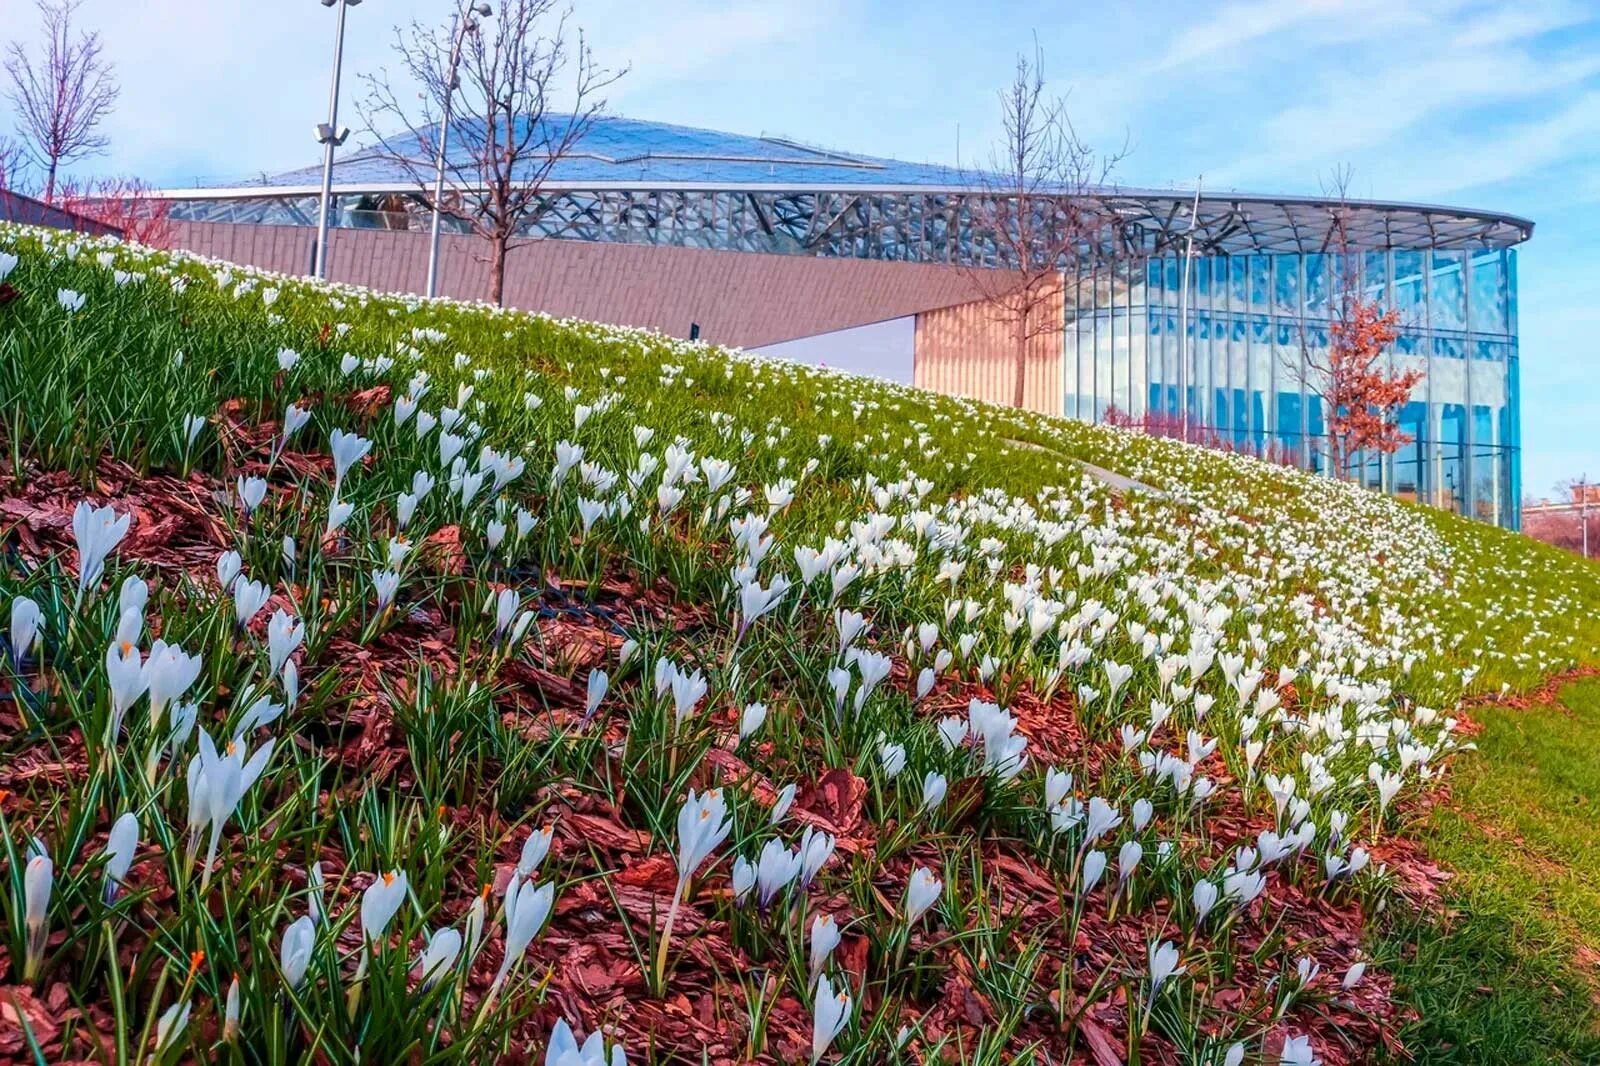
[641, 227]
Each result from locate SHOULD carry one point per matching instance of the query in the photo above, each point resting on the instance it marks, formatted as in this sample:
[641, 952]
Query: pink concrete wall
[738, 298]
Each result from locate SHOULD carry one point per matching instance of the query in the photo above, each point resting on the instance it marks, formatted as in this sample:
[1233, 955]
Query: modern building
[756, 241]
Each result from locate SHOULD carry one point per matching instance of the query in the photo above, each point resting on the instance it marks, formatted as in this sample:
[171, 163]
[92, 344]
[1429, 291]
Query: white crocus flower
[248, 599]
[294, 951]
[169, 1027]
[781, 805]
[385, 584]
[1205, 897]
[564, 1049]
[776, 867]
[922, 891]
[348, 449]
[527, 907]
[1094, 865]
[830, 1014]
[229, 566]
[96, 530]
[339, 512]
[38, 880]
[284, 635]
[751, 720]
[121, 844]
[1163, 965]
[216, 783]
[379, 903]
[1297, 1051]
[252, 490]
[26, 626]
[824, 938]
[816, 848]
[534, 850]
[599, 682]
[127, 681]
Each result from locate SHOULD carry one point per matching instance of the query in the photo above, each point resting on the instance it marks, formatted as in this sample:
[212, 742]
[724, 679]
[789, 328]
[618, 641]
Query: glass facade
[1230, 358]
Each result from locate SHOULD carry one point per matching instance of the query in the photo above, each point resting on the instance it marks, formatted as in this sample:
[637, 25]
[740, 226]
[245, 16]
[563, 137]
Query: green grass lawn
[1510, 974]
[527, 572]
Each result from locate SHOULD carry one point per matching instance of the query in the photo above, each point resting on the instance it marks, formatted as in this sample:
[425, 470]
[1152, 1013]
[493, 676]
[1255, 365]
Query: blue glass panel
[1317, 290]
[1511, 440]
[1286, 284]
[1511, 302]
[1238, 282]
[1452, 448]
[1447, 302]
[1410, 461]
[1485, 460]
[1260, 282]
[1289, 421]
[1489, 308]
[1409, 293]
[1375, 277]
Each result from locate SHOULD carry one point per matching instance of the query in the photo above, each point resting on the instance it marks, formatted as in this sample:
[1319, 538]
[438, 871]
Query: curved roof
[623, 154]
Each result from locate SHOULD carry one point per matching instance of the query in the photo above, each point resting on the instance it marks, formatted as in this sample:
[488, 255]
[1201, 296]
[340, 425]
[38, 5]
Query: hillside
[455, 675]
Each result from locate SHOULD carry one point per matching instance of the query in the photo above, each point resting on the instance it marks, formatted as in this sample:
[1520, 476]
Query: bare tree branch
[13, 165]
[62, 95]
[527, 91]
[1036, 223]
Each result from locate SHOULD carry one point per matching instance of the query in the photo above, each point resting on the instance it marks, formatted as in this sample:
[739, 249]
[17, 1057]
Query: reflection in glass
[1244, 383]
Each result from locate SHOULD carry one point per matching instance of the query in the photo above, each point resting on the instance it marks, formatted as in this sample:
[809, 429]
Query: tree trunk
[50, 183]
[497, 271]
[1017, 396]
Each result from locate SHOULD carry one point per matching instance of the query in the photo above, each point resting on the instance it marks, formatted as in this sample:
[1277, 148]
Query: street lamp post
[330, 136]
[459, 28]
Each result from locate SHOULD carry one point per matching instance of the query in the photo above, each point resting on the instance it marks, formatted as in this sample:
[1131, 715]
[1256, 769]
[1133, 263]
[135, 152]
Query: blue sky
[1481, 104]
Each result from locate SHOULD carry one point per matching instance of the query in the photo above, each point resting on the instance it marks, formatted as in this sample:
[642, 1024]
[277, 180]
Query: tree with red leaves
[125, 204]
[1361, 395]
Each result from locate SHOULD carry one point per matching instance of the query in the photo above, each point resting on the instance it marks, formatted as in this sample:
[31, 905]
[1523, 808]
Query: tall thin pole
[330, 140]
[1583, 511]
[458, 31]
[1183, 317]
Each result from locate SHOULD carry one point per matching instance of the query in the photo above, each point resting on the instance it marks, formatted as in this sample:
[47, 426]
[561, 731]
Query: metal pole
[330, 140]
[1583, 511]
[458, 31]
[1183, 318]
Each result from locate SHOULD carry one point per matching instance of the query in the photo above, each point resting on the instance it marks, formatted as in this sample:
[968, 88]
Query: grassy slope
[1490, 608]
[1510, 976]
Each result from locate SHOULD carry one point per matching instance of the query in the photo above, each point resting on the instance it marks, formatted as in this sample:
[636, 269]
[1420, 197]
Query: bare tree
[508, 130]
[1034, 216]
[13, 164]
[61, 95]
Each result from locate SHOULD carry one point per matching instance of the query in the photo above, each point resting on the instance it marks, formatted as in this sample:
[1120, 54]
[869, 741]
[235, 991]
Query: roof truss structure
[911, 224]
